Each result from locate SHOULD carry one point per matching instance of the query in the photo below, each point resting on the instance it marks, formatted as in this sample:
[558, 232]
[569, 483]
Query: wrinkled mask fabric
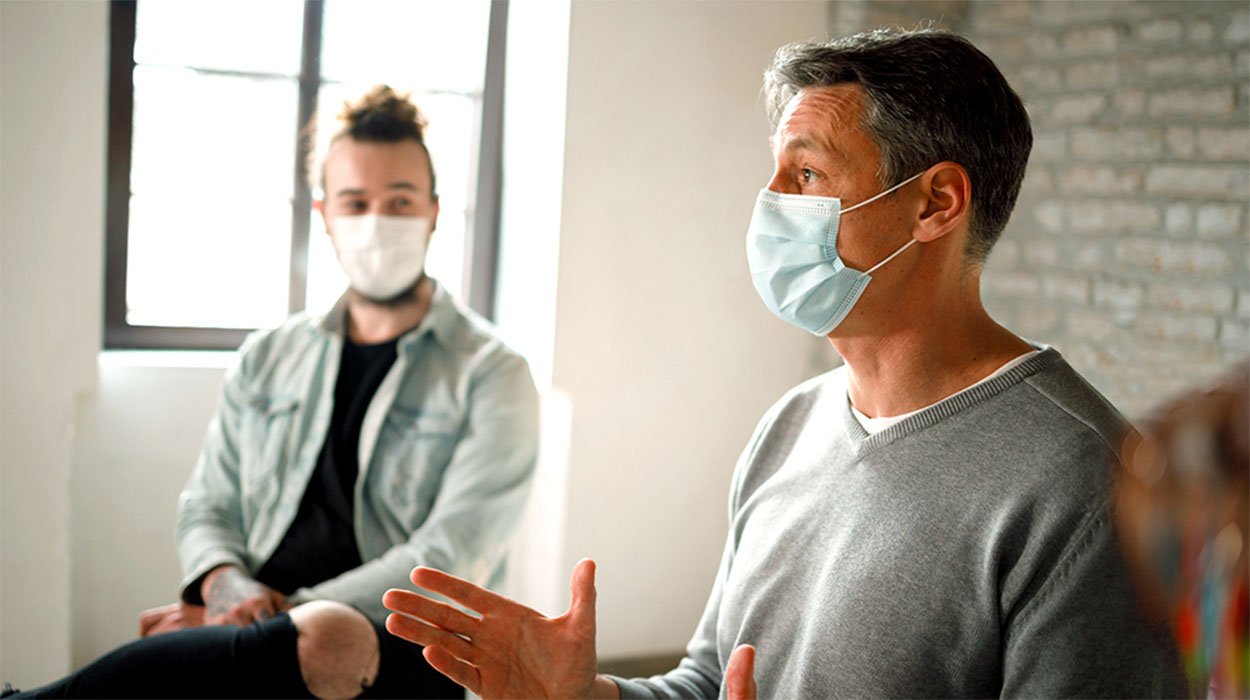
[792, 251]
[382, 255]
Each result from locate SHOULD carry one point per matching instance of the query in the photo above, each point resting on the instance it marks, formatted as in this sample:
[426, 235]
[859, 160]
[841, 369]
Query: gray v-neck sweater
[967, 551]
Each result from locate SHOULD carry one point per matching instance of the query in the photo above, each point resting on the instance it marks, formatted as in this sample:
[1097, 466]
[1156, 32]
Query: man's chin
[407, 296]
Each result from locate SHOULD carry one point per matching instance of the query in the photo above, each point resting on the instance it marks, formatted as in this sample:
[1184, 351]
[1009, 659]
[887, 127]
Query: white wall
[667, 355]
[53, 63]
[664, 357]
[135, 444]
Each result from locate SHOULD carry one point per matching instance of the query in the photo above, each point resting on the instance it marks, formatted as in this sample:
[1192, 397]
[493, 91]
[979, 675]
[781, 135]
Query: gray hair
[930, 96]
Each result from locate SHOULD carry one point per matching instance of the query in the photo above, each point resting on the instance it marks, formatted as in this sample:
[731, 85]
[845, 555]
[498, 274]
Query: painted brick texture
[1129, 249]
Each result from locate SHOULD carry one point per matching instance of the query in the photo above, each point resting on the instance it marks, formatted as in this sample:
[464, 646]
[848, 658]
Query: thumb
[740, 675]
[147, 620]
[582, 600]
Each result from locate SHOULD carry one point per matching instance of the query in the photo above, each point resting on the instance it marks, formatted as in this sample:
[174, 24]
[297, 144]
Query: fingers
[432, 611]
[147, 622]
[425, 635]
[262, 612]
[582, 589]
[240, 617]
[245, 613]
[192, 615]
[171, 623]
[740, 674]
[151, 617]
[160, 611]
[256, 610]
[458, 589]
[455, 669]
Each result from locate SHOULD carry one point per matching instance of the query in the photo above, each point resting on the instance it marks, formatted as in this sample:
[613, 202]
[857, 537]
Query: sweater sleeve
[210, 529]
[1083, 634]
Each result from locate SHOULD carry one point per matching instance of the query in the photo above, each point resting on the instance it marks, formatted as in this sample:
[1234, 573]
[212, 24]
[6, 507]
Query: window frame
[482, 236]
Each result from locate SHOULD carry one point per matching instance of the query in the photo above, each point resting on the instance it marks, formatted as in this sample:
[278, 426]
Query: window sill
[181, 359]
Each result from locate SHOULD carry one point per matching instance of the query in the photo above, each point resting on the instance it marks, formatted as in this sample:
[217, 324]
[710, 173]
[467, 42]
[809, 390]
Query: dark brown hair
[380, 116]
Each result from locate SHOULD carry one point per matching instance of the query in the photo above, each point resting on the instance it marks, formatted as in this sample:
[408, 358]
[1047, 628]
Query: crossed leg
[320, 649]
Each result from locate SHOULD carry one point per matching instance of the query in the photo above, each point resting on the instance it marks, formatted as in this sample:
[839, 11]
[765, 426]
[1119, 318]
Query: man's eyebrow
[800, 143]
[354, 192]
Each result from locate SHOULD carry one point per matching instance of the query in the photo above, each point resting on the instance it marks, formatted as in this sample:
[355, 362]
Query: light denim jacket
[447, 448]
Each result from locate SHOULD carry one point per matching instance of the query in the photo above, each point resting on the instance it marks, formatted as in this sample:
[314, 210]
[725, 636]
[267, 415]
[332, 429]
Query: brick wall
[1128, 248]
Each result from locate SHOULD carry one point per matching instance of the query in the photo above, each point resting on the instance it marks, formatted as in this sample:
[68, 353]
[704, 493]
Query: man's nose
[782, 184]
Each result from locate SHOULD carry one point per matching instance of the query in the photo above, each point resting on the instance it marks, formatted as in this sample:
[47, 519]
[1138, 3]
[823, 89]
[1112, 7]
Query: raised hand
[511, 651]
[231, 597]
[740, 674]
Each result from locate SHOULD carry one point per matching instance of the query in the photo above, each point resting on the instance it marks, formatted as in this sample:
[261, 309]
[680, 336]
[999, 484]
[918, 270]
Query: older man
[930, 519]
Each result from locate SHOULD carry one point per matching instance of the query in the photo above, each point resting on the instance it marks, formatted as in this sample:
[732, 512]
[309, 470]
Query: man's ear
[320, 206]
[948, 194]
[433, 218]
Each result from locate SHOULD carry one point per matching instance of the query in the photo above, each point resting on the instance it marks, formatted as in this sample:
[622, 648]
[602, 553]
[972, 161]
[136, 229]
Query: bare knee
[337, 647]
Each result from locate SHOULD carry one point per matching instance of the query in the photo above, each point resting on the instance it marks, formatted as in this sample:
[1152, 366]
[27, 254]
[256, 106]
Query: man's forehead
[821, 109]
[402, 150]
[350, 162]
[821, 119]
[840, 102]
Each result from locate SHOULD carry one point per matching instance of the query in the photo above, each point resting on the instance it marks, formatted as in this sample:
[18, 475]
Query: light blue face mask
[792, 250]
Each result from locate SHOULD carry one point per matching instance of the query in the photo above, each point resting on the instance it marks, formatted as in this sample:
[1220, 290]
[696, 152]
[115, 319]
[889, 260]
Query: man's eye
[806, 175]
[401, 202]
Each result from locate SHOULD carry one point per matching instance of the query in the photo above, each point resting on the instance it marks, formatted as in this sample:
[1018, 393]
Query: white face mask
[382, 255]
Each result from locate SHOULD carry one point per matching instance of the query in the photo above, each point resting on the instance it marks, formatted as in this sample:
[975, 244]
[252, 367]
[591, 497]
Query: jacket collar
[438, 320]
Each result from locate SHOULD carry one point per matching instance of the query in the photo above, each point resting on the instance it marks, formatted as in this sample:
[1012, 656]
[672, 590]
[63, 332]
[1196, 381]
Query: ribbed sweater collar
[863, 442]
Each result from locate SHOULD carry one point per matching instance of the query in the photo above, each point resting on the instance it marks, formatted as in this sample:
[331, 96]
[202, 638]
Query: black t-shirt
[321, 542]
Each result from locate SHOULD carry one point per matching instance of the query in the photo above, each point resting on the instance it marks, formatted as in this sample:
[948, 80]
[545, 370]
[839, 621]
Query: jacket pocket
[414, 451]
[267, 427]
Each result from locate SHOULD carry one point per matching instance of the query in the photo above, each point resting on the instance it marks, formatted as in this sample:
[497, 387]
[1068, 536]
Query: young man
[394, 431]
[932, 518]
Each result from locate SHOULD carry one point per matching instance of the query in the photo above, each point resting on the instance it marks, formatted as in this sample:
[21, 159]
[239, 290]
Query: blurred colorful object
[1182, 505]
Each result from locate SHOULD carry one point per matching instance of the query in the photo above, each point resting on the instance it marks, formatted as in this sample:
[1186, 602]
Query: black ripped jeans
[257, 661]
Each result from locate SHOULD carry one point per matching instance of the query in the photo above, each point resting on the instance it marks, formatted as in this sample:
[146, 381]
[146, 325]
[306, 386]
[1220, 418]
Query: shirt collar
[438, 320]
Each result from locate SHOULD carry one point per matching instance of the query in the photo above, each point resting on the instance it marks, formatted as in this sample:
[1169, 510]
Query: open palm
[511, 651]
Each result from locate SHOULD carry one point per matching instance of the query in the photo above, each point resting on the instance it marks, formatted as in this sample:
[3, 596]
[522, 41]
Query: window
[210, 229]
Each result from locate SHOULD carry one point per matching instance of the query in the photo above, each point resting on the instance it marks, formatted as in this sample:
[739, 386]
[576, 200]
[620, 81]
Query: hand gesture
[511, 651]
[169, 618]
[231, 597]
[740, 674]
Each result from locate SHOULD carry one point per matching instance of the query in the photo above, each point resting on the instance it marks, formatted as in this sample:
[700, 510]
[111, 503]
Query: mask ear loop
[876, 267]
[875, 197]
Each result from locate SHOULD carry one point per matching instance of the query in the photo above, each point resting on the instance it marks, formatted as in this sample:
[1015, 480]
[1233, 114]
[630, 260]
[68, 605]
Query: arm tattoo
[228, 588]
